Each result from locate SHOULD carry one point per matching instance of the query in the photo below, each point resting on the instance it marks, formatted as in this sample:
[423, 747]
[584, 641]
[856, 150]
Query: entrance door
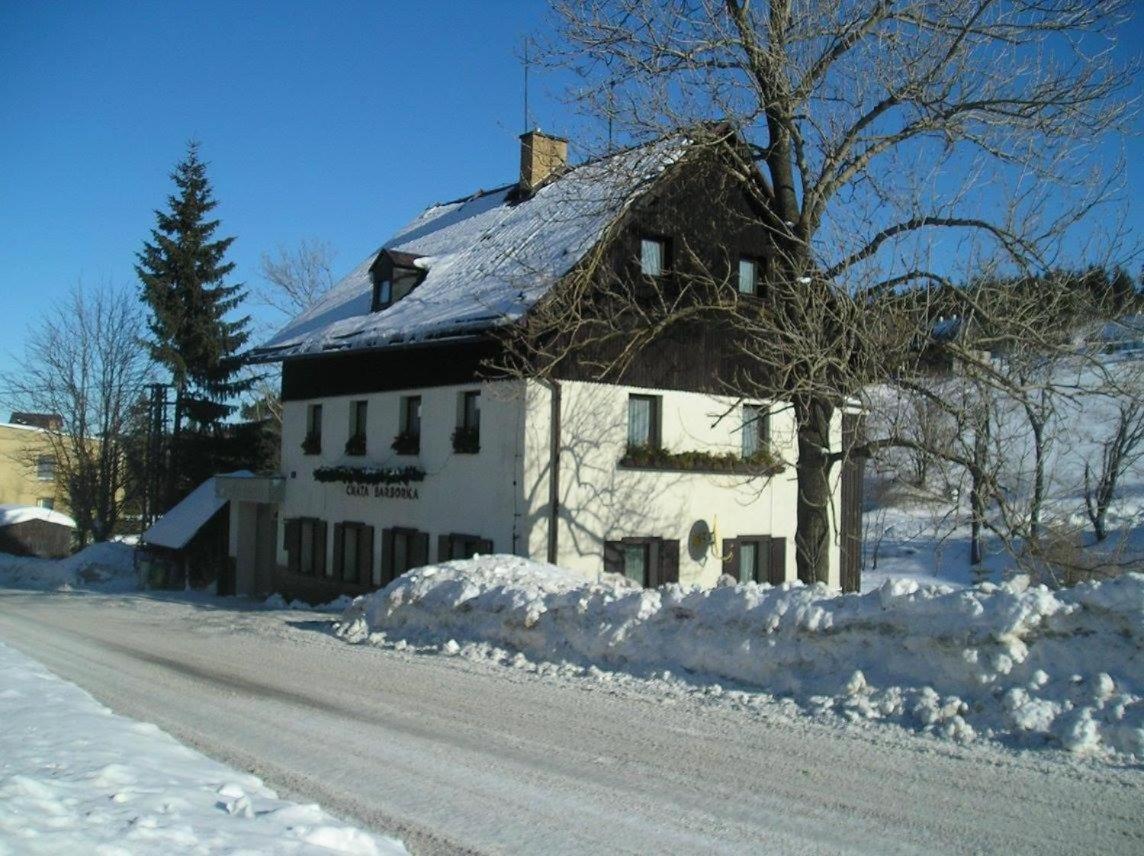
[265, 544]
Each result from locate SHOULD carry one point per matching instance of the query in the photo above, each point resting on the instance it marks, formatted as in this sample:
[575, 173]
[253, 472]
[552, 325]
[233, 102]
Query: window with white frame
[756, 431]
[748, 276]
[46, 468]
[643, 420]
[653, 256]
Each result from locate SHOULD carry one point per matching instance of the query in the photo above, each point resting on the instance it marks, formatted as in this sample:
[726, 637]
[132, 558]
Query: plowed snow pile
[1026, 665]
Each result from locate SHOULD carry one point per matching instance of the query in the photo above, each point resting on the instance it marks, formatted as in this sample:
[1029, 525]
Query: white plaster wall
[600, 501]
[471, 494]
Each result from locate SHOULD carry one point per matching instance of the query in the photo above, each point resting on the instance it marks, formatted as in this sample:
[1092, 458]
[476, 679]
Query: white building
[404, 443]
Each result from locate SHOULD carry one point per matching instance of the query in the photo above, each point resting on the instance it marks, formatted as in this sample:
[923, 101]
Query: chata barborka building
[412, 433]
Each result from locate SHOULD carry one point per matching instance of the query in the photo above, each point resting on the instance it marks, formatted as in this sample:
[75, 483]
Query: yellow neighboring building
[28, 465]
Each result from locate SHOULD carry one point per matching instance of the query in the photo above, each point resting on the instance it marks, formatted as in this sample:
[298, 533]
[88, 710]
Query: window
[653, 256]
[454, 546]
[306, 546]
[312, 444]
[355, 445]
[756, 433]
[353, 552]
[384, 295]
[408, 440]
[643, 420]
[650, 562]
[401, 550]
[389, 289]
[749, 276]
[46, 468]
[46, 502]
[467, 437]
[755, 558]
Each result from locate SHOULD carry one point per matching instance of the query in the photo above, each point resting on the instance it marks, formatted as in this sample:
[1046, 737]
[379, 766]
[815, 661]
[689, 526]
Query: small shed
[26, 530]
[187, 546]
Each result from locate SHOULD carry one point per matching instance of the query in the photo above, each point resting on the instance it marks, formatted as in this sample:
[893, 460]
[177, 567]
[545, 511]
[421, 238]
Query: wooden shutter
[444, 554]
[294, 545]
[365, 555]
[418, 549]
[778, 561]
[485, 546]
[320, 548]
[386, 555]
[730, 547]
[339, 549]
[668, 562]
[613, 558]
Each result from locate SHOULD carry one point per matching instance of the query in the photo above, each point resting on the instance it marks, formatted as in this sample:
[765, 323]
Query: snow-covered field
[76, 778]
[1024, 665]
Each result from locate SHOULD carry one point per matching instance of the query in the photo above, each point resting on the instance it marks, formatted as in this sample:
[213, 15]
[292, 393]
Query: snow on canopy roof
[488, 258]
[10, 515]
[179, 525]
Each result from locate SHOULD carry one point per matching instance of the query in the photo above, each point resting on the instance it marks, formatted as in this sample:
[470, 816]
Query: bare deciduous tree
[888, 145]
[84, 363]
[1120, 450]
[296, 276]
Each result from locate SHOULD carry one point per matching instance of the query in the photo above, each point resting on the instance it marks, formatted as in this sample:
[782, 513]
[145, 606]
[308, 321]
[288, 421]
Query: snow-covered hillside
[1024, 665]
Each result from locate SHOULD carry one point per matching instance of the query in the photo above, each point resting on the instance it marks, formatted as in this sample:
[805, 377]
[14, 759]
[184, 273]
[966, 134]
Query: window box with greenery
[312, 444]
[406, 443]
[762, 463]
[355, 445]
[408, 439]
[466, 441]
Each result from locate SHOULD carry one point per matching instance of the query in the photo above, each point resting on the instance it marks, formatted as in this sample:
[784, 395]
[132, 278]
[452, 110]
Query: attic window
[394, 276]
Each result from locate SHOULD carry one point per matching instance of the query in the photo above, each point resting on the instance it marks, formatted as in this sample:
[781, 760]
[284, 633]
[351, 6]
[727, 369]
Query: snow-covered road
[460, 756]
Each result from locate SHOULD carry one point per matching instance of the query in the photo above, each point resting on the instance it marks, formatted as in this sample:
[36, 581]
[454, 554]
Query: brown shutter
[443, 552]
[419, 549]
[613, 558]
[339, 550]
[386, 556]
[730, 547]
[485, 546]
[319, 548]
[778, 561]
[365, 555]
[668, 562]
[294, 545]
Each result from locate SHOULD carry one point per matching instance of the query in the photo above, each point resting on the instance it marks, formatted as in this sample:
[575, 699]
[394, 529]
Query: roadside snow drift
[107, 566]
[1026, 665]
[76, 778]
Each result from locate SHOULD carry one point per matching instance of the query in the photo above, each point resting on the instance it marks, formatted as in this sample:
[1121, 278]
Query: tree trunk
[977, 493]
[812, 537]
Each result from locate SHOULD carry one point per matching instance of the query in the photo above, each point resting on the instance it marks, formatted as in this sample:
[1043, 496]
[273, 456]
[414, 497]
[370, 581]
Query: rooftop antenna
[526, 125]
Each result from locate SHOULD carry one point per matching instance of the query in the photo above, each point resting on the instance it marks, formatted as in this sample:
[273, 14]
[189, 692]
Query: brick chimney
[541, 155]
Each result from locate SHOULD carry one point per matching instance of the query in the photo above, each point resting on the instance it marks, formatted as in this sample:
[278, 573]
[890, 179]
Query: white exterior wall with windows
[601, 500]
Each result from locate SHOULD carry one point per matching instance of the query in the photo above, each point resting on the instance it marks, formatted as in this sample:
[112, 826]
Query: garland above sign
[369, 475]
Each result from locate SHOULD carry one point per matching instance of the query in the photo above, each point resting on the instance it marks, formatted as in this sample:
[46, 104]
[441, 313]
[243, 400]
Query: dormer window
[394, 276]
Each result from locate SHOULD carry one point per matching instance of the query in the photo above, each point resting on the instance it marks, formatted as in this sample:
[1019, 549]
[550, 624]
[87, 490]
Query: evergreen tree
[182, 270]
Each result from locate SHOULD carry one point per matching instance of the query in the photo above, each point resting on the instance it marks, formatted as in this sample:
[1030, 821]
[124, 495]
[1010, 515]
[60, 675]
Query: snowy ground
[1024, 665]
[454, 754]
[108, 566]
[75, 778]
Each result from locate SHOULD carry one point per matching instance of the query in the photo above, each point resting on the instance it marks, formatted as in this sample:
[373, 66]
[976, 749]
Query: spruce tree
[183, 271]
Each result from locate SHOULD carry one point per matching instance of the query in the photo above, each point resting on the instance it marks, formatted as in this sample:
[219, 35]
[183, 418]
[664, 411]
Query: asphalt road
[456, 756]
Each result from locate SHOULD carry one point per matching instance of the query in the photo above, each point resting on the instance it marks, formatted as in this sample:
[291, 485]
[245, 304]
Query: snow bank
[76, 778]
[1026, 665]
[106, 566]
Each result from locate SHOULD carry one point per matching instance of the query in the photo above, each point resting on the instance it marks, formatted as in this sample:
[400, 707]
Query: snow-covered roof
[13, 514]
[488, 258]
[16, 427]
[179, 525]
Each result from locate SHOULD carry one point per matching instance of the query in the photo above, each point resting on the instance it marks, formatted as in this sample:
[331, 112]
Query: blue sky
[337, 121]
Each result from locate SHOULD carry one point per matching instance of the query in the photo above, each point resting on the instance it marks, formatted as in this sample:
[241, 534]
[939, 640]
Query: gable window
[467, 436]
[355, 445]
[408, 440]
[46, 502]
[401, 550]
[749, 276]
[644, 420]
[306, 546]
[653, 256]
[647, 561]
[755, 559]
[312, 444]
[353, 552]
[46, 468]
[756, 432]
[454, 546]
